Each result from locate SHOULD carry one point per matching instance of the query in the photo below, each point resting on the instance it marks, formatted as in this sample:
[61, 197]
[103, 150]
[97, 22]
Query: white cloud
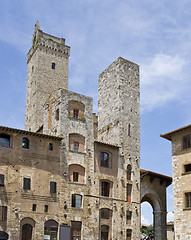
[170, 216]
[144, 221]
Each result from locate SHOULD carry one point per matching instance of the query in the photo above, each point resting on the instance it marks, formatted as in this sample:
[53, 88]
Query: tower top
[37, 25]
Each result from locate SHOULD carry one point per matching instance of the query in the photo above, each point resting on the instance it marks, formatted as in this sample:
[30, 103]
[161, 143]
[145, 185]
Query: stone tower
[119, 123]
[47, 71]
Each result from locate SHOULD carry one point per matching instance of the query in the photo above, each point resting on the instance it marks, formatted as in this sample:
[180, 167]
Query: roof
[29, 133]
[105, 143]
[169, 134]
[165, 178]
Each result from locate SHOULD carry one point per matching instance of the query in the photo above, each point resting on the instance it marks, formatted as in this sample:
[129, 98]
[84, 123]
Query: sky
[155, 35]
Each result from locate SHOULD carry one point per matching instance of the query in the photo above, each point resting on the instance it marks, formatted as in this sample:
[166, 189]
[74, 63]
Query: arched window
[105, 188]
[25, 143]
[4, 140]
[76, 173]
[104, 232]
[76, 201]
[76, 109]
[76, 142]
[129, 168]
[27, 225]
[50, 230]
[105, 213]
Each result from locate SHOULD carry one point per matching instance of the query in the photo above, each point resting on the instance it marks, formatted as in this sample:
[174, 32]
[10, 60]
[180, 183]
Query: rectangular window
[105, 187]
[186, 141]
[45, 208]
[50, 146]
[75, 113]
[1, 180]
[187, 167]
[129, 215]
[52, 187]
[3, 213]
[57, 114]
[34, 207]
[129, 189]
[104, 159]
[26, 183]
[75, 176]
[188, 199]
[76, 201]
[105, 213]
[129, 231]
[53, 65]
[76, 146]
[76, 230]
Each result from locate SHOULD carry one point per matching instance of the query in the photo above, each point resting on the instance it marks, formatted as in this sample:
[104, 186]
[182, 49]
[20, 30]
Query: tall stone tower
[47, 71]
[119, 123]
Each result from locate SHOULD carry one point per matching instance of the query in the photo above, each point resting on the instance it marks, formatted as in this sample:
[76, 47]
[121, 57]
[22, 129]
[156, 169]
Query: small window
[129, 233]
[76, 146]
[129, 172]
[4, 140]
[186, 141]
[105, 188]
[75, 113]
[34, 207]
[76, 200]
[187, 167]
[76, 230]
[129, 130]
[105, 213]
[1, 180]
[57, 114]
[52, 187]
[129, 215]
[25, 143]
[50, 146]
[45, 208]
[75, 176]
[3, 213]
[26, 183]
[129, 189]
[188, 199]
[104, 161]
[53, 65]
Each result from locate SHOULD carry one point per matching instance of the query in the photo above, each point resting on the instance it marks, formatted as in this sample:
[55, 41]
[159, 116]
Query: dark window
[3, 213]
[76, 146]
[186, 141]
[104, 161]
[104, 232]
[76, 200]
[129, 231]
[4, 140]
[75, 113]
[76, 230]
[25, 143]
[105, 213]
[1, 180]
[129, 215]
[75, 176]
[188, 200]
[52, 187]
[129, 130]
[57, 115]
[50, 146]
[187, 167]
[53, 65]
[105, 188]
[129, 172]
[129, 189]
[45, 208]
[26, 183]
[34, 207]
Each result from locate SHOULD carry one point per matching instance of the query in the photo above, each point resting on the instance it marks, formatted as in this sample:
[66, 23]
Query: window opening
[188, 200]
[57, 114]
[4, 140]
[105, 187]
[1, 180]
[52, 187]
[186, 141]
[27, 232]
[104, 232]
[76, 200]
[104, 162]
[76, 230]
[105, 213]
[34, 207]
[25, 143]
[129, 189]
[76, 146]
[26, 183]
[187, 167]
[3, 213]
[50, 230]
[129, 231]
[129, 215]
[129, 130]
[45, 208]
[53, 65]
[50, 146]
[75, 113]
[75, 176]
[129, 172]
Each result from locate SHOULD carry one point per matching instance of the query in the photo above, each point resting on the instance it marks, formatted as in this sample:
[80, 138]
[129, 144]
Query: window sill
[186, 173]
[78, 209]
[187, 209]
[72, 151]
[77, 183]
[77, 119]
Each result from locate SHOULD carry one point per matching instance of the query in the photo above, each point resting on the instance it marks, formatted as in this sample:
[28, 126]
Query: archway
[50, 230]
[27, 225]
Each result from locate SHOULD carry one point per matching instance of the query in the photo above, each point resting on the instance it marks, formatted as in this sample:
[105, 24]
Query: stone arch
[27, 226]
[153, 190]
[51, 229]
[76, 142]
[76, 173]
[76, 109]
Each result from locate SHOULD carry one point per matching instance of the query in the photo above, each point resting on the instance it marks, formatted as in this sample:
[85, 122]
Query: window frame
[186, 141]
[25, 143]
[103, 214]
[53, 187]
[188, 200]
[105, 188]
[8, 138]
[106, 163]
[26, 183]
[2, 180]
[53, 65]
[76, 113]
[75, 176]
[3, 213]
[76, 201]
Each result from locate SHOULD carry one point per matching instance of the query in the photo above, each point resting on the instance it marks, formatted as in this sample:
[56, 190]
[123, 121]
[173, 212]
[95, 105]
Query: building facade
[181, 166]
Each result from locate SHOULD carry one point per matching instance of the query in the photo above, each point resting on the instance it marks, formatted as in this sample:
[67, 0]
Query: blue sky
[154, 34]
